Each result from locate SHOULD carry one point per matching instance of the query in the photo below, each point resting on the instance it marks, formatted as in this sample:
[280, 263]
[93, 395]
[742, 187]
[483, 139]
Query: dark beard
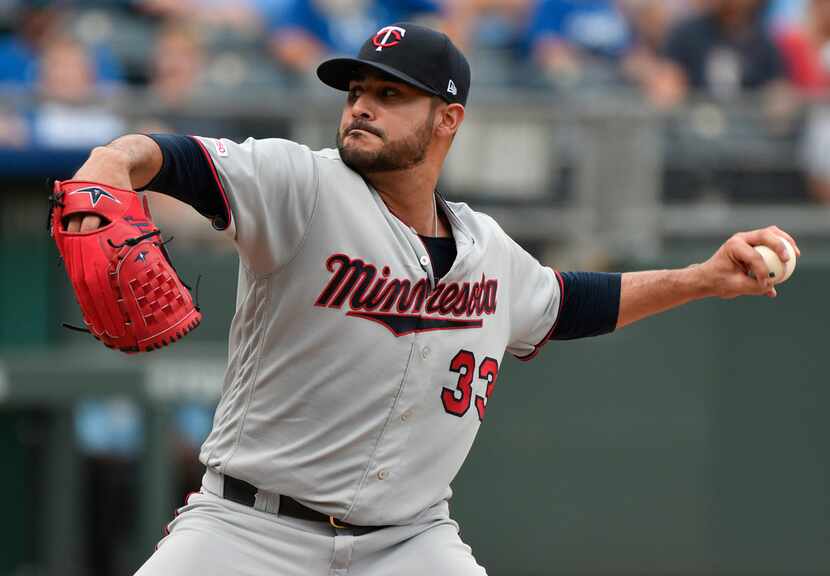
[399, 155]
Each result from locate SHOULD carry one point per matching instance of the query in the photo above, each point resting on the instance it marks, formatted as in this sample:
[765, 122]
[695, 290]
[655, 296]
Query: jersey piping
[218, 183]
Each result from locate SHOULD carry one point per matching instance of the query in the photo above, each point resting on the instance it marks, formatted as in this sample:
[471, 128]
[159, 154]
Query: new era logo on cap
[414, 54]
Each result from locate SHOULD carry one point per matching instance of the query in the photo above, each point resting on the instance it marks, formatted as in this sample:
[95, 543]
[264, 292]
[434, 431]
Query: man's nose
[362, 108]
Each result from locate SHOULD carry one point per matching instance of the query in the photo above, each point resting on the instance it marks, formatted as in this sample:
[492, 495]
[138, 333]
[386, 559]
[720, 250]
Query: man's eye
[387, 92]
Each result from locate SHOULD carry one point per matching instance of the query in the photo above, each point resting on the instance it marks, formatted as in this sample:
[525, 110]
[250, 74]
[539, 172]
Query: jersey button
[425, 352]
[406, 415]
[424, 261]
[383, 475]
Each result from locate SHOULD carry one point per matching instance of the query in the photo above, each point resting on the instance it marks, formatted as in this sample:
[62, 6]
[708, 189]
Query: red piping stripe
[544, 340]
[166, 527]
[216, 178]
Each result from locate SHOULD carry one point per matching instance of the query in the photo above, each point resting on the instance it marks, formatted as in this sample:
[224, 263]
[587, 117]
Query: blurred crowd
[61, 61]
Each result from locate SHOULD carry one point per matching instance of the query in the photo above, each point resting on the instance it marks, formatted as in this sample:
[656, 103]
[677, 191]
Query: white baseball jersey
[356, 380]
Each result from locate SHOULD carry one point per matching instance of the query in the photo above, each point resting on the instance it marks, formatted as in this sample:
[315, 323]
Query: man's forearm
[644, 294]
[129, 162]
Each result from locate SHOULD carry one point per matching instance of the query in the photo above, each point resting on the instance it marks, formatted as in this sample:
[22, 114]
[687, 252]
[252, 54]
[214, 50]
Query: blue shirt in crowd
[346, 34]
[596, 26]
[19, 63]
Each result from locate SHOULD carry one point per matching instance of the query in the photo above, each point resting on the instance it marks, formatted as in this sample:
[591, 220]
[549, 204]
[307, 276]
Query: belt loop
[342, 558]
[267, 502]
[214, 482]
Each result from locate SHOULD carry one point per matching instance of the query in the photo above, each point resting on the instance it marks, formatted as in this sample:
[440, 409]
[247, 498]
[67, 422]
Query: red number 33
[458, 401]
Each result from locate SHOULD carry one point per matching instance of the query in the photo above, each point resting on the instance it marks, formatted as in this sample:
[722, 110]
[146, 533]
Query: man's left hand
[727, 272]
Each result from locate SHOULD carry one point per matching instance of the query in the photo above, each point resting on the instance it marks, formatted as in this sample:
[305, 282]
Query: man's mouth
[358, 130]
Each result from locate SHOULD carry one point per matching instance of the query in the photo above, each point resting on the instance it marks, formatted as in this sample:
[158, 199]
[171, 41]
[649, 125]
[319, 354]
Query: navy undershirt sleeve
[590, 307]
[186, 174]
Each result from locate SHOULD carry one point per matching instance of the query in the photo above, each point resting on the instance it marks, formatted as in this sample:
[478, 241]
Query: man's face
[385, 126]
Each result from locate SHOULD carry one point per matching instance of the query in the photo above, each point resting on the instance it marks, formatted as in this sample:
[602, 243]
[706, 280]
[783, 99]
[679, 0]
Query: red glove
[130, 295]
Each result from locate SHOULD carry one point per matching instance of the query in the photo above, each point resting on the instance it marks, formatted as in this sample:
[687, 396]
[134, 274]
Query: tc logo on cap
[388, 36]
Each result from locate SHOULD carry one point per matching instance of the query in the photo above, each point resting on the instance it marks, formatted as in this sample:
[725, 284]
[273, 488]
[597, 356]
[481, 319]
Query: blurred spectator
[67, 115]
[239, 15]
[643, 63]
[806, 49]
[473, 23]
[598, 42]
[179, 72]
[20, 53]
[177, 65]
[725, 51]
[64, 76]
[310, 29]
[572, 39]
[492, 35]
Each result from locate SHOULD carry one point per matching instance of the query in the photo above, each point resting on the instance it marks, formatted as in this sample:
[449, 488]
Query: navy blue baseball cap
[416, 55]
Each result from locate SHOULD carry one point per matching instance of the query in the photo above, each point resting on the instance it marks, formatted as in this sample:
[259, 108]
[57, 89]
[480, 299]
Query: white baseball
[781, 270]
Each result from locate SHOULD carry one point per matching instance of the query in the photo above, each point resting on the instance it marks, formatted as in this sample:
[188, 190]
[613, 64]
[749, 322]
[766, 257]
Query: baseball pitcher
[372, 317]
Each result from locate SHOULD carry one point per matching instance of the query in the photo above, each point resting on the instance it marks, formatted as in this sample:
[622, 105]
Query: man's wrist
[114, 157]
[695, 282]
[106, 166]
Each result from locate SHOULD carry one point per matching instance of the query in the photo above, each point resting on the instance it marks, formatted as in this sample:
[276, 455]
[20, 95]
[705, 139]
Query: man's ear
[449, 119]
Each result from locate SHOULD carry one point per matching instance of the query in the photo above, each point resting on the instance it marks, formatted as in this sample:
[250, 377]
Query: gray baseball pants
[213, 536]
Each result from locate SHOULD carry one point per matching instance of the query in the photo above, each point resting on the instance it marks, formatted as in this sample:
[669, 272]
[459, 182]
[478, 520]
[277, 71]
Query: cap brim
[338, 72]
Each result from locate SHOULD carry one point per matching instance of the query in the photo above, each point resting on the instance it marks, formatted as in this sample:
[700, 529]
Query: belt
[242, 492]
